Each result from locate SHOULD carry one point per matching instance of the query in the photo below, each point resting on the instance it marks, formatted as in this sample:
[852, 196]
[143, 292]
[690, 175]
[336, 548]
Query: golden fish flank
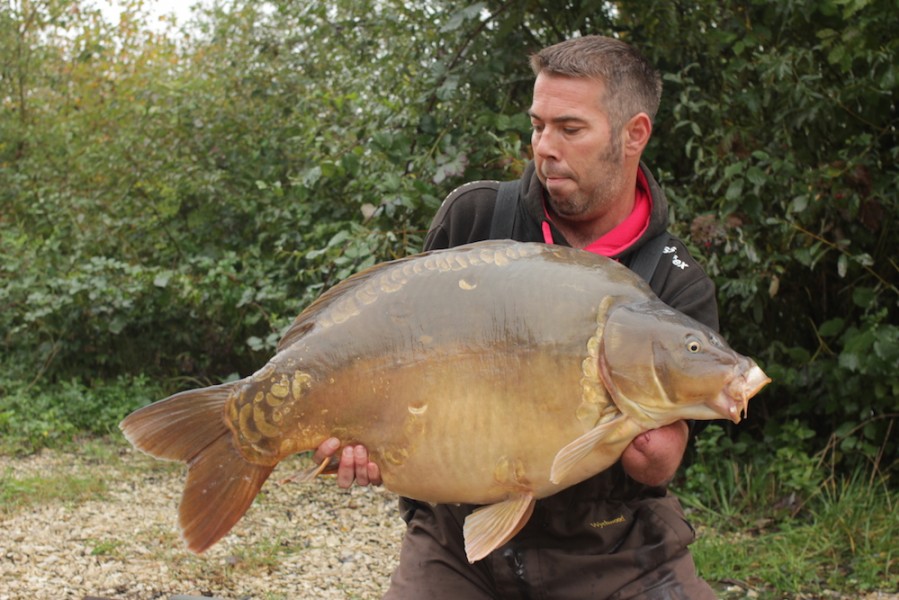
[419, 409]
[414, 425]
[427, 360]
[395, 455]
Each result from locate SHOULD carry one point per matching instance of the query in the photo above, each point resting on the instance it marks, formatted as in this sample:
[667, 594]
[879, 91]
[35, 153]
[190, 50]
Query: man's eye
[571, 130]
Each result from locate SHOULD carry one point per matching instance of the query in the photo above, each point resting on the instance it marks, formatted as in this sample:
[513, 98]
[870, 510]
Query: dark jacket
[607, 537]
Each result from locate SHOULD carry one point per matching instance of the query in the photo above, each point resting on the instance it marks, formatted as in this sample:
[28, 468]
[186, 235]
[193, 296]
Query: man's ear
[636, 134]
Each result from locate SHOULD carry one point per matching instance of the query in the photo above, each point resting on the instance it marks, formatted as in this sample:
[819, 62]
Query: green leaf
[831, 328]
[756, 176]
[734, 190]
[733, 169]
[457, 19]
[799, 203]
[117, 324]
[863, 297]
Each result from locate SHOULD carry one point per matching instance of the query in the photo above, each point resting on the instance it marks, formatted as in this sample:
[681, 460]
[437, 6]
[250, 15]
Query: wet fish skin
[549, 357]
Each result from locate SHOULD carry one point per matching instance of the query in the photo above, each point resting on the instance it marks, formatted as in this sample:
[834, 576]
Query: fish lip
[732, 403]
[728, 407]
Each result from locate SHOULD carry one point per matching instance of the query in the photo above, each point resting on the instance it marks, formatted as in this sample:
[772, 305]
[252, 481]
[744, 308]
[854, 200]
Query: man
[619, 534]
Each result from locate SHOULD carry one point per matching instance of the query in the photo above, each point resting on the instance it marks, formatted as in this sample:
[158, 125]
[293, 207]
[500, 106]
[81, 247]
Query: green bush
[786, 116]
[34, 416]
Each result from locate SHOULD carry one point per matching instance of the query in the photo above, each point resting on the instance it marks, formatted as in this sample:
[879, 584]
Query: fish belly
[455, 427]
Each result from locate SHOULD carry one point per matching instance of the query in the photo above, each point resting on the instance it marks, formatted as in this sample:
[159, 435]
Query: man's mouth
[550, 172]
[556, 178]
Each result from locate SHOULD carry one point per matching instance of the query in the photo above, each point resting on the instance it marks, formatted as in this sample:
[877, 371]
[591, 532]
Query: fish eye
[693, 345]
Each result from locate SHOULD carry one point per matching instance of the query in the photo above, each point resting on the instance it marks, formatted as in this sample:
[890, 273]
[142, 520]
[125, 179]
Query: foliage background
[170, 199]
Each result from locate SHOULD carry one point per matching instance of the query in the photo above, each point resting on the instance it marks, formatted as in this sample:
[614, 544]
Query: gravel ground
[297, 541]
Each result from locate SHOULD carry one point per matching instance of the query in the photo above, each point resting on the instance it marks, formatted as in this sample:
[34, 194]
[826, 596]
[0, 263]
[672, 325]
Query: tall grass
[773, 518]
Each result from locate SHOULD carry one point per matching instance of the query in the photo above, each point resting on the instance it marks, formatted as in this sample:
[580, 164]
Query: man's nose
[546, 144]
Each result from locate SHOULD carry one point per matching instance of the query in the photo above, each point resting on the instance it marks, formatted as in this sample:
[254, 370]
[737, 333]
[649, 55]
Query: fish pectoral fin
[609, 433]
[491, 526]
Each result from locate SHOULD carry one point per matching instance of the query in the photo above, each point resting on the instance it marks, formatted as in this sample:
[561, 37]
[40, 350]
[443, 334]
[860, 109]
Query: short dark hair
[632, 83]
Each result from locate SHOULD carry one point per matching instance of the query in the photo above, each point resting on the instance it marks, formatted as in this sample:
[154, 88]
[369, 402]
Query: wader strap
[504, 212]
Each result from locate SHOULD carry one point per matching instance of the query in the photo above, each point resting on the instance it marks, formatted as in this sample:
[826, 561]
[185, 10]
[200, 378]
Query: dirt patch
[297, 541]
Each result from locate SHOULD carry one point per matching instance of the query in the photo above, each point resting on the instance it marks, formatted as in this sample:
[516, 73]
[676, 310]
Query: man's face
[578, 156]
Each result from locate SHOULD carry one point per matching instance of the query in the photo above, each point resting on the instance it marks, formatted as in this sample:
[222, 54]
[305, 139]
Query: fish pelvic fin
[189, 427]
[614, 434]
[491, 526]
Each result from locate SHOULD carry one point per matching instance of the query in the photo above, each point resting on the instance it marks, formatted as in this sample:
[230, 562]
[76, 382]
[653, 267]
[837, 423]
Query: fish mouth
[732, 403]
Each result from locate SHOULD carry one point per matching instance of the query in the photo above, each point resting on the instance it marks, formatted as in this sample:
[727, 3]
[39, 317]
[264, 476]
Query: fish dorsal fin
[489, 527]
[618, 431]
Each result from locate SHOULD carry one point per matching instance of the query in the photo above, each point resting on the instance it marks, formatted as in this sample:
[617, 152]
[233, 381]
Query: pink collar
[626, 233]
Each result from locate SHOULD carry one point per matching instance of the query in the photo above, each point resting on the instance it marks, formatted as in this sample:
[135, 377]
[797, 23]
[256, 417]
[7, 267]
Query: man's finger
[360, 457]
[374, 474]
[346, 473]
[325, 449]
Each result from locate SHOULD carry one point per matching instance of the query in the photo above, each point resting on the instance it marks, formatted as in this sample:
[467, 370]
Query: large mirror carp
[495, 374]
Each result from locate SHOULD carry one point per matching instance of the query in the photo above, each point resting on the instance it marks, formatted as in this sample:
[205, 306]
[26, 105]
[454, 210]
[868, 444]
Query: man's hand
[352, 465]
[654, 456]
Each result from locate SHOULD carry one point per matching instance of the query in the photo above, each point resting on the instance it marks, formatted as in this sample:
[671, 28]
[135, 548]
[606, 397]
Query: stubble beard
[582, 204]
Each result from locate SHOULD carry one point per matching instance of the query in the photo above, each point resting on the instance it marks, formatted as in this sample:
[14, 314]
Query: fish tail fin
[221, 484]
[181, 426]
